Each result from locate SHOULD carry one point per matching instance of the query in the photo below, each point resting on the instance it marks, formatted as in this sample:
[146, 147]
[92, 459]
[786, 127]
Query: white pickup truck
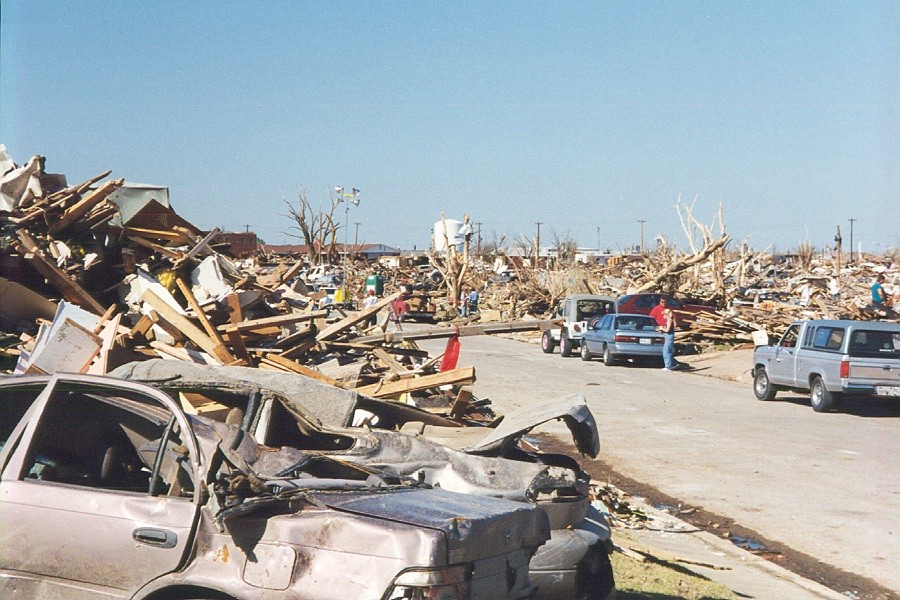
[831, 360]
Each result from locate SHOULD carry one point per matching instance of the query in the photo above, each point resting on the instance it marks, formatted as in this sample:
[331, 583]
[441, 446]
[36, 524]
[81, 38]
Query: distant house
[370, 252]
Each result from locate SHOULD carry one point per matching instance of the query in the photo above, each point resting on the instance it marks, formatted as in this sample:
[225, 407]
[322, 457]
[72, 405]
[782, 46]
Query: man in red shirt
[657, 312]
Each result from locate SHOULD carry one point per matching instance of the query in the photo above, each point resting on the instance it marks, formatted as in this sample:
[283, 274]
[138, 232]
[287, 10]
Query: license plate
[647, 341]
[887, 390]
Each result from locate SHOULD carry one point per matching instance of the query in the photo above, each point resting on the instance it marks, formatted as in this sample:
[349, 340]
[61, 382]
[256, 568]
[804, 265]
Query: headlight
[448, 583]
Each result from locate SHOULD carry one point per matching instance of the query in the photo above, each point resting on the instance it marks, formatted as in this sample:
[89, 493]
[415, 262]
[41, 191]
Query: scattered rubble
[104, 272]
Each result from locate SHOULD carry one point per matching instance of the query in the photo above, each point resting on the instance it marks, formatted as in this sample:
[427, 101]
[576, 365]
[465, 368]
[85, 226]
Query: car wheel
[547, 342]
[565, 345]
[821, 399]
[594, 579]
[762, 386]
[609, 359]
[585, 353]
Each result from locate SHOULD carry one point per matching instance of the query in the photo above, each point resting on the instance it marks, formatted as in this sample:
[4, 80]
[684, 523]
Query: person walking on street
[668, 330]
[463, 302]
[472, 302]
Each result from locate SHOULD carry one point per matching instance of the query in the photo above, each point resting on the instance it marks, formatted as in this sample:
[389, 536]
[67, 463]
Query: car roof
[589, 297]
[878, 325]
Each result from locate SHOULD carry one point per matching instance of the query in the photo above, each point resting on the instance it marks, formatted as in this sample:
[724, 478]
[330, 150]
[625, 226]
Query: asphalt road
[827, 485]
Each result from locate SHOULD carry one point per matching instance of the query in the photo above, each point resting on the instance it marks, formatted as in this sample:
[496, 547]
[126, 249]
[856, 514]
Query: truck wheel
[565, 345]
[585, 353]
[762, 387]
[594, 579]
[547, 344]
[821, 399]
[609, 359]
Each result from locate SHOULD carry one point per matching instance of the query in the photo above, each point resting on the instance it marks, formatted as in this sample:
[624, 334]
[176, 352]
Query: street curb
[719, 560]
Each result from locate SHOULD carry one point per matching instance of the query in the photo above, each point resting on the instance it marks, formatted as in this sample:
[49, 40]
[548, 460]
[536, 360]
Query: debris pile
[103, 273]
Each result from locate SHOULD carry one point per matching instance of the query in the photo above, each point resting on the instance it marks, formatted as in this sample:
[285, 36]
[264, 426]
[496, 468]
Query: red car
[643, 304]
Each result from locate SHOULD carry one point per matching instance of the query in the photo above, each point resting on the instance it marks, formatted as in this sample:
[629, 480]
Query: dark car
[643, 303]
[619, 337]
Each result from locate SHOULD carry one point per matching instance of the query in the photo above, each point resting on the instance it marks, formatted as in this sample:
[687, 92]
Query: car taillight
[625, 338]
[845, 369]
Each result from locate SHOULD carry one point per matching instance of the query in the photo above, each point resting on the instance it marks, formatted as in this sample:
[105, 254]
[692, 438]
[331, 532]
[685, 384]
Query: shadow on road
[861, 407]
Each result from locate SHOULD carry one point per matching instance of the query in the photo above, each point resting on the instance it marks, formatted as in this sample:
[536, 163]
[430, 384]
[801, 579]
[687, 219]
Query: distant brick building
[240, 244]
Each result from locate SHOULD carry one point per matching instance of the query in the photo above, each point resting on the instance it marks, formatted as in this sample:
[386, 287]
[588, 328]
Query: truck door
[784, 367]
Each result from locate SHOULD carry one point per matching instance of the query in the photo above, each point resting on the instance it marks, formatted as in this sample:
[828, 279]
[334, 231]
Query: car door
[590, 337]
[785, 363]
[100, 494]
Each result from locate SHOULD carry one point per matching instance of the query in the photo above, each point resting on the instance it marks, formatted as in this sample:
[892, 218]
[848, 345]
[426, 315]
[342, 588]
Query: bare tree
[565, 247]
[317, 229]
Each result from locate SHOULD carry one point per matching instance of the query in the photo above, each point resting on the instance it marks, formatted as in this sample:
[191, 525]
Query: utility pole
[598, 242]
[246, 229]
[642, 221]
[356, 241]
[851, 241]
[478, 251]
[537, 250]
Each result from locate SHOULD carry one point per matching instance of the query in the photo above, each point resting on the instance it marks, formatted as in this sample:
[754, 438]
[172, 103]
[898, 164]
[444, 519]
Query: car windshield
[635, 324]
[874, 344]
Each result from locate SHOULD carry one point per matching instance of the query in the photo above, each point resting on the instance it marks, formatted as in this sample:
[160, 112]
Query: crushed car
[285, 409]
[110, 489]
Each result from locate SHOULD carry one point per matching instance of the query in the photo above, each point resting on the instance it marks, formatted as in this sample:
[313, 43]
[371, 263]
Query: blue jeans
[669, 350]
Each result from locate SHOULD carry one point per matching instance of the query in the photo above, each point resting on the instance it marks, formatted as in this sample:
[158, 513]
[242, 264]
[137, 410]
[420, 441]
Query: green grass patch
[661, 580]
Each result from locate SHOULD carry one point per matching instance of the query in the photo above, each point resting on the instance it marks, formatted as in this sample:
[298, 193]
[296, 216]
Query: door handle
[159, 538]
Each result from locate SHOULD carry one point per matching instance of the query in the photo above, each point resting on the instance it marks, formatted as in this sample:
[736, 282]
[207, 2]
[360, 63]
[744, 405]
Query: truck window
[828, 338]
[874, 344]
[789, 339]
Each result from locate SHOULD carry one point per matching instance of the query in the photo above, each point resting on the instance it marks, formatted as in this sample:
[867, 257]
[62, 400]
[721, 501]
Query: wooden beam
[201, 316]
[390, 362]
[193, 333]
[461, 376]
[466, 330]
[294, 367]
[69, 290]
[80, 208]
[273, 321]
[348, 322]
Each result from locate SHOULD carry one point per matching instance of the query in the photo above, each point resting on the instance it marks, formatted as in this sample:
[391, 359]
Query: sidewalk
[748, 575]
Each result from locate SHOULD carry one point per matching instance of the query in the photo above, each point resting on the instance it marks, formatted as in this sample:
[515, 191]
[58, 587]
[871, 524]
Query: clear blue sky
[576, 115]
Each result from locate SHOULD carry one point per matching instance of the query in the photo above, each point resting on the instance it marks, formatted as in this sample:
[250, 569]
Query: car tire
[609, 359]
[547, 344]
[819, 397]
[762, 385]
[585, 353]
[565, 345]
[594, 579]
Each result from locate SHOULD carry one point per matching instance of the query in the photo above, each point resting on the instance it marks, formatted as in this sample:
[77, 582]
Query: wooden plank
[153, 234]
[80, 208]
[462, 402]
[294, 367]
[461, 376]
[201, 316]
[70, 290]
[193, 333]
[273, 321]
[345, 324]
[197, 249]
[466, 330]
[156, 248]
[390, 362]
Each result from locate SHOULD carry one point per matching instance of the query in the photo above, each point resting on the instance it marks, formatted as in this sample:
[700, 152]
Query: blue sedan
[617, 337]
